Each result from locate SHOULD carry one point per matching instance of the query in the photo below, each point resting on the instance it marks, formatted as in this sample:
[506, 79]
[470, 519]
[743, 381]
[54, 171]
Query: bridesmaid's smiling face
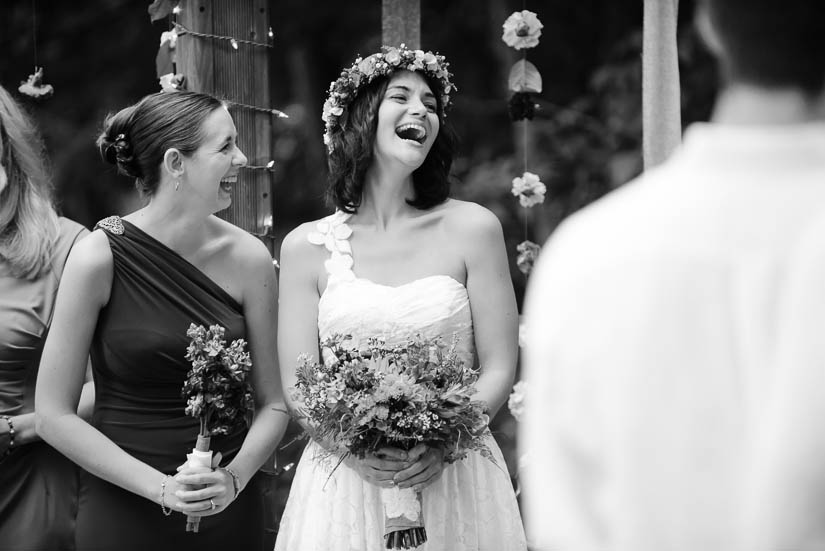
[212, 170]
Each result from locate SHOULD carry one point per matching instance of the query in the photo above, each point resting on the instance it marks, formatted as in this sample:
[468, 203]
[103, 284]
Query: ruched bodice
[432, 306]
[331, 508]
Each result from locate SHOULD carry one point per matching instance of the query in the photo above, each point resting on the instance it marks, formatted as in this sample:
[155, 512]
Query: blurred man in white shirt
[656, 316]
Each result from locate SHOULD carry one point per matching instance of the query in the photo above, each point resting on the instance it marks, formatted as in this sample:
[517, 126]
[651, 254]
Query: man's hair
[772, 43]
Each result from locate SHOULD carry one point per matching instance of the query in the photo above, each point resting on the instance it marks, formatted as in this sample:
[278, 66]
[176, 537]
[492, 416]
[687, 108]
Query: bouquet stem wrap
[403, 518]
[201, 456]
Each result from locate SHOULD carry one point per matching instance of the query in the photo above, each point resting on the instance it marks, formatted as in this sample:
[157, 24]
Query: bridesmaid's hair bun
[115, 146]
[136, 138]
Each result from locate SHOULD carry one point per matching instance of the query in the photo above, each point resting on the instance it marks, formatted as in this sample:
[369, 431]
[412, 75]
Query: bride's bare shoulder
[465, 218]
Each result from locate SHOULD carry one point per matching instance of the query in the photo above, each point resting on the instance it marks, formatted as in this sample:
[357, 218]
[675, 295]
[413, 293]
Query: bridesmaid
[34, 243]
[130, 292]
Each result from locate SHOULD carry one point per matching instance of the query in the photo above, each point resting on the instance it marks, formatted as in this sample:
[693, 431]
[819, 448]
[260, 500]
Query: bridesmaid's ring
[213, 504]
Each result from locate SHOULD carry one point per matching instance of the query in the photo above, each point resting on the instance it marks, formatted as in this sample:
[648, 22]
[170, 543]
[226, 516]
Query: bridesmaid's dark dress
[38, 486]
[139, 368]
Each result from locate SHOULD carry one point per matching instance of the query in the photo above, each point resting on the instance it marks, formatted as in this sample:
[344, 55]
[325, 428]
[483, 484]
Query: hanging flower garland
[522, 31]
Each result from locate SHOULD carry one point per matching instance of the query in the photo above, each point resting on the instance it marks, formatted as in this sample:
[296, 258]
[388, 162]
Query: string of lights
[277, 113]
[234, 42]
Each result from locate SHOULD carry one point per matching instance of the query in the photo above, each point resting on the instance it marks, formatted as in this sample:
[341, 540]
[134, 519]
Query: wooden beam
[661, 105]
[401, 23]
[240, 76]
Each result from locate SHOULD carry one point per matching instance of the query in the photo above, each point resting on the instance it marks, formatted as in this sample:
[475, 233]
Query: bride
[398, 257]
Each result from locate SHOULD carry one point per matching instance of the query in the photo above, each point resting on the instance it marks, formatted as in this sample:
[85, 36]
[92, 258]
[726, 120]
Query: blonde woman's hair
[28, 221]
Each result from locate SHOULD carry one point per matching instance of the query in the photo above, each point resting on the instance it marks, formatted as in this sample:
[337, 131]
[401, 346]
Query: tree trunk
[661, 114]
[401, 23]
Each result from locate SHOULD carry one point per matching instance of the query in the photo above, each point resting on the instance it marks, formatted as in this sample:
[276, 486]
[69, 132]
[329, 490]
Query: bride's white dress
[472, 506]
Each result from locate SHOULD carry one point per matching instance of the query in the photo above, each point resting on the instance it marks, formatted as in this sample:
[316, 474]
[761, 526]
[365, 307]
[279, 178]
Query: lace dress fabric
[472, 505]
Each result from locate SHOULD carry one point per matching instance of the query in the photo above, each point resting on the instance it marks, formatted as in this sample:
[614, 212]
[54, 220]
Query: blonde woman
[34, 243]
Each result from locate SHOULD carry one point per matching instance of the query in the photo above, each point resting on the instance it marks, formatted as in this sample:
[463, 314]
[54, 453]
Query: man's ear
[173, 162]
[707, 32]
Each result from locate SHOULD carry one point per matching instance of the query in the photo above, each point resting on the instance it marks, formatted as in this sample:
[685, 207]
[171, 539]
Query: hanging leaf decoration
[161, 8]
[524, 77]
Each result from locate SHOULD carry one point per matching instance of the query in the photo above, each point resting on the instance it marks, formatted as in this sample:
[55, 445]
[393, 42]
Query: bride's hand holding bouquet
[395, 415]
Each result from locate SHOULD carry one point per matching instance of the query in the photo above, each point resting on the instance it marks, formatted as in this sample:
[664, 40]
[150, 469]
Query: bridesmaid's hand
[203, 492]
[380, 467]
[425, 466]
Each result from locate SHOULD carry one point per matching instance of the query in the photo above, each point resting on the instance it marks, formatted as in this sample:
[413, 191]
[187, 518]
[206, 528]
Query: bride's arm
[300, 291]
[492, 302]
[297, 307]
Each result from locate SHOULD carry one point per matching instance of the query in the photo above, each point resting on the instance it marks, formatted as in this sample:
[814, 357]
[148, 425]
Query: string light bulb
[234, 43]
[270, 33]
[176, 10]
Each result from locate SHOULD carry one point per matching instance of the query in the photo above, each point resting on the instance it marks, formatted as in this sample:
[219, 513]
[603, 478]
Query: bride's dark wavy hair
[352, 153]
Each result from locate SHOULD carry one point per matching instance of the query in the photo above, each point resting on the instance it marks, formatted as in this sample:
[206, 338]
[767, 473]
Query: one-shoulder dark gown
[139, 368]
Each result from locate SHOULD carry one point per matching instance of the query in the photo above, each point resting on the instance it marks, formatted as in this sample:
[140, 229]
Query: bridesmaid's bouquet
[358, 401]
[217, 391]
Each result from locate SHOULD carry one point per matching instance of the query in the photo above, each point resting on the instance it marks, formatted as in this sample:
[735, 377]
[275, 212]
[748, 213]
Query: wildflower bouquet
[216, 391]
[358, 401]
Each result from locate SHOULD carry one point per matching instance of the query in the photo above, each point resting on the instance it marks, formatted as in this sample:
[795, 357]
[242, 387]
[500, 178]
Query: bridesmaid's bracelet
[236, 482]
[166, 510]
[10, 449]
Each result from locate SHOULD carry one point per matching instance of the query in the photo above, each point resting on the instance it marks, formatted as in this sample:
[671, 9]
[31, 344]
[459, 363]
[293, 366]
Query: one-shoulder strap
[334, 233]
[112, 224]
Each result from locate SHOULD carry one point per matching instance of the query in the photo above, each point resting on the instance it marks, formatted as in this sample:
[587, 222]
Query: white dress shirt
[652, 327]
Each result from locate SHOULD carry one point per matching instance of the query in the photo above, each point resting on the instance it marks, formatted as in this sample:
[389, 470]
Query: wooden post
[401, 23]
[661, 105]
[240, 76]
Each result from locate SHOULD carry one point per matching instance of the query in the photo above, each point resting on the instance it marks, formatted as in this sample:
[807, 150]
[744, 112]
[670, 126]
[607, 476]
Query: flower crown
[344, 90]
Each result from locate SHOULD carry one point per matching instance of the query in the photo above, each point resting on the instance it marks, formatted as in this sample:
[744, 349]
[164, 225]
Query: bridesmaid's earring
[177, 184]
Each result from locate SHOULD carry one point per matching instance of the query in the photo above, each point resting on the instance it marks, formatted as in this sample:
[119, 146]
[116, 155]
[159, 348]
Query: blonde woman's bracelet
[10, 449]
[166, 511]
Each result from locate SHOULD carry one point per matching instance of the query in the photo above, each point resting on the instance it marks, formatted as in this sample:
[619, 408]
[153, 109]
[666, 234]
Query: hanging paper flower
[522, 30]
[34, 86]
[171, 82]
[171, 36]
[529, 189]
[521, 106]
[516, 401]
[528, 252]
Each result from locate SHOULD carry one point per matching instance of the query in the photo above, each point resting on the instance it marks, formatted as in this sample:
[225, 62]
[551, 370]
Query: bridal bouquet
[419, 392]
[216, 391]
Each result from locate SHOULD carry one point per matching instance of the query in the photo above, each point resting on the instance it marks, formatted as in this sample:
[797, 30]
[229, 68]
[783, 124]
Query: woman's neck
[384, 198]
[173, 224]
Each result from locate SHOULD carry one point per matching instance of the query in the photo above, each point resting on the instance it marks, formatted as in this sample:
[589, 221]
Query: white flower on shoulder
[340, 266]
[398, 502]
[333, 233]
[529, 189]
[522, 30]
[516, 401]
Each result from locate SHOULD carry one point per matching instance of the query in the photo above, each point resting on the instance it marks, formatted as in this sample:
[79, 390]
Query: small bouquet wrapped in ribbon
[359, 401]
[216, 390]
